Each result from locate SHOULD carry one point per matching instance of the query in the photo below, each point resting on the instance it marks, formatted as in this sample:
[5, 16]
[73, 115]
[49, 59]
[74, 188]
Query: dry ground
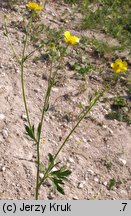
[99, 150]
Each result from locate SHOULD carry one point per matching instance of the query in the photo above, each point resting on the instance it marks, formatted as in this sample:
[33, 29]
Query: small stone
[81, 184]
[37, 90]
[17, 70]
[71, 160]
[104, 126]
[84, 140]
[2, 116]
[48, 184]
[75, 198]
[105, 139]
[1, 65]
[41, 175]
[51, 196]
[89, 140]
[3, 169]
[24, 117]
[96, 179]
[110, 131]
[55, 89]
[105, 183]
[90, 171]
[5, 134]
[123, 161]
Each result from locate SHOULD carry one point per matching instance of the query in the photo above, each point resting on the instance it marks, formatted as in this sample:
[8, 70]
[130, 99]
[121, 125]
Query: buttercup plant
[59, 176]
[119, 66]
[33, 6]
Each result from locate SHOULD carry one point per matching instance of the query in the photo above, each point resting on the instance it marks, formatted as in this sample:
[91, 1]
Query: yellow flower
[70, 39]
[119, 66]
[33, 6]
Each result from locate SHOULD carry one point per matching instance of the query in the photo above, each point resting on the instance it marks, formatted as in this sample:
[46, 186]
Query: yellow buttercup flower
[70, 39]
[119, 66]
[33, 6]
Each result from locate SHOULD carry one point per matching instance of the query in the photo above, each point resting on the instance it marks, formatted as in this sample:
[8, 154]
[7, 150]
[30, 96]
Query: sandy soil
[98, 151]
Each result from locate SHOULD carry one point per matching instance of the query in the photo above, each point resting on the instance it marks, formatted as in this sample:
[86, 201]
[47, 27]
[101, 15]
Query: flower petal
[67, 34]
[112, 65]
[124, 63]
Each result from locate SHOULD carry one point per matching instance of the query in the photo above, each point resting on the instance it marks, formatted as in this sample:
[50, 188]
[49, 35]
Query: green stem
[23, 93]
[10, 43]
[92, 103]
[31, 53]
[60, 63]
[38, 169]
[45, 106]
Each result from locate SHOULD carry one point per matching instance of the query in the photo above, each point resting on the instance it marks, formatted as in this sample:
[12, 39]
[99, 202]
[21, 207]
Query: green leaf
[57, 186]
[62, 173]
[51, 159]
[59, 175]
[111, 184]
[60, 190]
[38, 131]
[30, 131]
[57, 181]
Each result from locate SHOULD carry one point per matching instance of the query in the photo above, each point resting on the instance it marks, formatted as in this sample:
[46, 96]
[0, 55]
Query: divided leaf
[57, 186]
[30, 131]
[58, 177]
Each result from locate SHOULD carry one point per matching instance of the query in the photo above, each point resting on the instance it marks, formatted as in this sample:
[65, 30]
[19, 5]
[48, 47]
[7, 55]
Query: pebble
[55, 89]
[105, 183]
[104, 126]
[71, 160]
[84, 140]
[51, 196]
[105, 139]
[123, 161]
[90, 171]
[75, 198]
[3, 169]
[110, 131]
[17, 70]
[24, 117]
[89, 140]
[96, 179]
[2, 116]
[81, 184]
[47, 183]
[1, 65]
[41, 175]
[37, 90]
[5, 134]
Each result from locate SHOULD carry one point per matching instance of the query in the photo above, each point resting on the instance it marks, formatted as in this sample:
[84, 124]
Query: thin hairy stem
[45, 107]
[23, 94]
[32, 52]
[10, 42]
[92, 103]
